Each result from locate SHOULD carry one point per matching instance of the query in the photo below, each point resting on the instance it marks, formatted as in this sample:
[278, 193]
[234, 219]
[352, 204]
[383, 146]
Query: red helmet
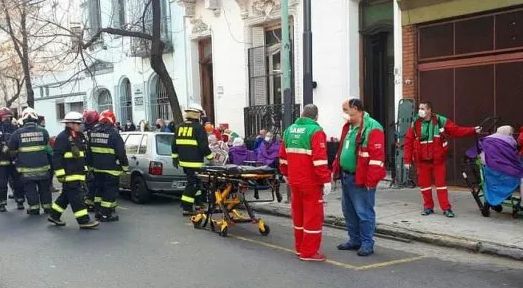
[90, 116]
[5, 112]
[107, 116]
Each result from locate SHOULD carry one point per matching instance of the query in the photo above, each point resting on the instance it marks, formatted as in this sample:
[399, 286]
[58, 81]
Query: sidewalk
[398, 214]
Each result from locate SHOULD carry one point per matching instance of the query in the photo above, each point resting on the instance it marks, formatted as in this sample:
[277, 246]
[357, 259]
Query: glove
[176, 163]
[327, 189]
[408, 166]
[61, 179]
[286, 179]
[478, 129]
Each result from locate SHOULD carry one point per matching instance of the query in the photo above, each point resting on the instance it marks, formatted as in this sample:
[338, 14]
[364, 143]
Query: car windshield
[163, 144]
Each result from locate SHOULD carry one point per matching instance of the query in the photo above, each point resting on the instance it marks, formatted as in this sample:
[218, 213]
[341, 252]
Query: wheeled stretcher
[227, 188]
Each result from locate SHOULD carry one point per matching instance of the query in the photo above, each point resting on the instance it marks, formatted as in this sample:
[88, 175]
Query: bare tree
[152, 9]
[11, 77]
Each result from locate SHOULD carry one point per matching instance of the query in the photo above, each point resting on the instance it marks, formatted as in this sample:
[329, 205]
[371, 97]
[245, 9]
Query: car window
[143, 146]
[163, 144]
[132, 143]
[124, 137]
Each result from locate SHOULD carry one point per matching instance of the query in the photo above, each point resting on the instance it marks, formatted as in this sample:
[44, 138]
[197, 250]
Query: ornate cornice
[190, 7]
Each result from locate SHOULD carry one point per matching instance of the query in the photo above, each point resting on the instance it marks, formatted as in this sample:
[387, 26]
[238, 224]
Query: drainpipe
[307, 53]
[286, 65]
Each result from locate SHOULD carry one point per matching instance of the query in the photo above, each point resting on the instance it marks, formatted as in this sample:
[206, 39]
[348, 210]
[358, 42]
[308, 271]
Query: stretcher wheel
[265, 230]
[515, 212]
[485, 210]
[498, 208]
[197, 220]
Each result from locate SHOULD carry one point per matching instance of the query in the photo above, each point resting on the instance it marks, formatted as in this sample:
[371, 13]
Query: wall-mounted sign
[138, 101]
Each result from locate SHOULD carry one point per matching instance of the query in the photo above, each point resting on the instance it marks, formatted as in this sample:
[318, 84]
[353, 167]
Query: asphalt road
[153, 246]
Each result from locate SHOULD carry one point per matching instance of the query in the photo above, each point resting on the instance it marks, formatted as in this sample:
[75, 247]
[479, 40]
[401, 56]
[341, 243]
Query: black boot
[55, 221]
[20, 206]
[33, 212]
[2, 208]
[108, 215]
[89, 225]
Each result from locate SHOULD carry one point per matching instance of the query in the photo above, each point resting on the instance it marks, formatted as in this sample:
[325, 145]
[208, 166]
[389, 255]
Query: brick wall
[409, 61]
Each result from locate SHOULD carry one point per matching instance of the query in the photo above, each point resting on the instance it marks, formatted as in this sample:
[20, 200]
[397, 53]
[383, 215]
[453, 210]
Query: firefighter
[426, 146]
[70, 170]
[29, 146]
[6, 166]
[190, 147]
[303, 160]
[108, 159]
[92, 202]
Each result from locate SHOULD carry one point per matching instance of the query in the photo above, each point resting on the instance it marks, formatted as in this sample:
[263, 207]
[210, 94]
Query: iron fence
[269, 117]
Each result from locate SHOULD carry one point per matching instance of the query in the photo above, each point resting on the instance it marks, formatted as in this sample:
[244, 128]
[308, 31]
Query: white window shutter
[258, 67]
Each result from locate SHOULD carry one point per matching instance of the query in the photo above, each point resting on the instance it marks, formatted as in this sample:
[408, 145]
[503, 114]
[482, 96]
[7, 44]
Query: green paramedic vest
[297, 137]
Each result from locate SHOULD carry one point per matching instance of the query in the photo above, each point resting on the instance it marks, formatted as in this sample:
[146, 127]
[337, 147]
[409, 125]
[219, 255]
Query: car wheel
[139, 192]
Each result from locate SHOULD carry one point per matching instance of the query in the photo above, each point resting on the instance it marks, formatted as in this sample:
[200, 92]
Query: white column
[354, 49]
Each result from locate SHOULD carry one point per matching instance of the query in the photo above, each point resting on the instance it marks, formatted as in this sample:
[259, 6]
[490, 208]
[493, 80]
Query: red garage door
[470, 69]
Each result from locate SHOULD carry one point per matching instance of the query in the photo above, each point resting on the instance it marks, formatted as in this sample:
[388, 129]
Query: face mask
[345, 116]
[422, 113]
[268, 139]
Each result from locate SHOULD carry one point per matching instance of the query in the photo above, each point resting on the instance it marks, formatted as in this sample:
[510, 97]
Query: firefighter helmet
[73, 117]
[90, 116]
[195, 107]
[29, 114]
[107, 116]
[5, 112]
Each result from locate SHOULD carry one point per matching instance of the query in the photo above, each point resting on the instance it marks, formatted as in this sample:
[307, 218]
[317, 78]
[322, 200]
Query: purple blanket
[268, 152]
[501, 155]
[238, 155]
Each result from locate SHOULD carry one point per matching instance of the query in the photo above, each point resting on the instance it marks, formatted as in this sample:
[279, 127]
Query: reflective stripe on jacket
[106, 151]
[190, 145]
[69, 156]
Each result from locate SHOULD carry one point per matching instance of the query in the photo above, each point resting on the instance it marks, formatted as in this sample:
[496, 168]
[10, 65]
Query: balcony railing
[268, 117]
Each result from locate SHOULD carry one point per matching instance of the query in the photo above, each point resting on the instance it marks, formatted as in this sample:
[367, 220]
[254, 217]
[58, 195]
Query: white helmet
[73, 117]
[29, 114]
[195, 107]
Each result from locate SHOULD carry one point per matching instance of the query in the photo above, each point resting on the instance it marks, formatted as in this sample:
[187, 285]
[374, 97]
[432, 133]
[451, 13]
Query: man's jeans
[358, 209]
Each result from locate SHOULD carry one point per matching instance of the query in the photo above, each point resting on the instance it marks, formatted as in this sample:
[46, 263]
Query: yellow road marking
[389, 263]
[333, 262]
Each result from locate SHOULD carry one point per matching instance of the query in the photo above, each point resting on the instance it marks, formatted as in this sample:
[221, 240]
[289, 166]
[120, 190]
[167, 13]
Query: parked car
[150, 166]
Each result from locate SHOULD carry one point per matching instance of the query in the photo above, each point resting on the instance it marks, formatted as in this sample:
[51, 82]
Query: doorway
[378, 67]
[206, 77]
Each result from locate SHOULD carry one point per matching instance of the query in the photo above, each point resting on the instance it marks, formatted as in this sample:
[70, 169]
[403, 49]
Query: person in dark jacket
[129, 126]
[29, 147]
[70, 170]
[189, 149]
[90, 120]
[6, 165]
[108, 159]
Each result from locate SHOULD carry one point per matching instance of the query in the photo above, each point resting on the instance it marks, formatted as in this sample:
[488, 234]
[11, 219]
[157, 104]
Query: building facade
[119, 77]
[466, 57]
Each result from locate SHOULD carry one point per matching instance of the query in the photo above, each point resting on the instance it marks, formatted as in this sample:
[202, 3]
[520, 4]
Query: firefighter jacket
[106, 152]
[6, 130]
[303, 155]
[29, 145]
[427, 140]
[370, 153]
[69, 156]
[190, 145]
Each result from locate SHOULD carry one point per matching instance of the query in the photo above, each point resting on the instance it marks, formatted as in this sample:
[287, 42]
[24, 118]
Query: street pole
[286, 65]
[307, 53]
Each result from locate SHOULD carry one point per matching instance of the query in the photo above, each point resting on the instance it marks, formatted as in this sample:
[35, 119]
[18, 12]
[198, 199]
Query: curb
[462, 243]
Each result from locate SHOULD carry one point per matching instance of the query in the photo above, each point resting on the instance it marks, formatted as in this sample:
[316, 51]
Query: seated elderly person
[239, 154]
[503, 170]
[219, 149]
[268, 152]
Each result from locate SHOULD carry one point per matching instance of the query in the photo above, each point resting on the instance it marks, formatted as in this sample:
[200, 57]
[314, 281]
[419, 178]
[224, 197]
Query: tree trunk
[25, 59]
[158, 65]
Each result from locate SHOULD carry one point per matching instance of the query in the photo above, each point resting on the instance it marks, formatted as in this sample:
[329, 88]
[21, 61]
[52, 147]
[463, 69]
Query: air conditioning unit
[213, 4]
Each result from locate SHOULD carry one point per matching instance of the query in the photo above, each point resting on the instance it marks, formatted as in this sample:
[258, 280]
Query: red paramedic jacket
[370, 163]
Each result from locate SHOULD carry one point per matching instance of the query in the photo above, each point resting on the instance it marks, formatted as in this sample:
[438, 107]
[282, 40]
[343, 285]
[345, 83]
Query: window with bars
[159, 102]
[126, 101]
[95, 16]
[265, 73]
[105, 101]
[118, 15]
